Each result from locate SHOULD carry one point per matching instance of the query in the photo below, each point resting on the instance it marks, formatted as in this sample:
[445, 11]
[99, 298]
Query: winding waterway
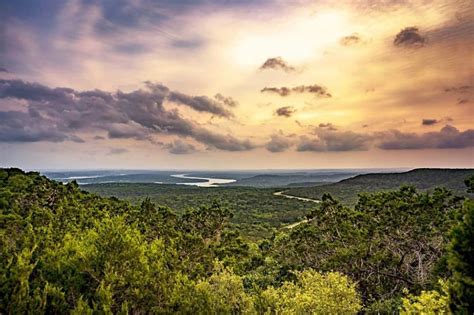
[209, 181]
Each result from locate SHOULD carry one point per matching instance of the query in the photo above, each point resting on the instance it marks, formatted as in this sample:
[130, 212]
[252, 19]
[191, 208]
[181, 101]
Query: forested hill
[67, 251]
[423, 178]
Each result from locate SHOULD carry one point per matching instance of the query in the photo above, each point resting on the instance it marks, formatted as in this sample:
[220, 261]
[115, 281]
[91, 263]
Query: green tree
[222, 293]
[427, 303]
[312, 293]
[461, 262]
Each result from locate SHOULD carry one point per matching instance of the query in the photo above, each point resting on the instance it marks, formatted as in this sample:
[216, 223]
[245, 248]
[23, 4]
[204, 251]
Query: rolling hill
[425, 179]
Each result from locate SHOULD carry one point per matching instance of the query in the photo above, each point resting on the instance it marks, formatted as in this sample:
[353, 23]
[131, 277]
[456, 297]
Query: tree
[428, 302]
[222, 293]
[461, 262]
[312, 293]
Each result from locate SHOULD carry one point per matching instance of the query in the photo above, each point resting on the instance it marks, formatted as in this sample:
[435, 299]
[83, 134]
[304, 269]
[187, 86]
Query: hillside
[423, 179]
[280, 180]
[257, 212]
[67, 251]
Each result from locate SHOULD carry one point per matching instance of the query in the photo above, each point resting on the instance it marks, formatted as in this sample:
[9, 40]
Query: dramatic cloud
[227, 143]
[328, 140]
[350, 40]
[59, 114]
[180, 147]
[18, 126]
[447, 138]
[199, 103]
[429, 122]
[318, 90]
[116, 151]
[278, 143]
[283, 91]
[286, 111]
[129, 130]
[277, 63]
[409, 37]
[227, 100]
[328, 126]
[3, 69]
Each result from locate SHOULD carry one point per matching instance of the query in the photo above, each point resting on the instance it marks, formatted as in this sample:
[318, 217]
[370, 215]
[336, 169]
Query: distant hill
[291, 179]
[425, 179]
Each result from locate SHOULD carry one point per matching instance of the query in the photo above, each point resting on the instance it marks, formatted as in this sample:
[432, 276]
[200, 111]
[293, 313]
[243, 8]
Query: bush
[428, 302]
[313, 293]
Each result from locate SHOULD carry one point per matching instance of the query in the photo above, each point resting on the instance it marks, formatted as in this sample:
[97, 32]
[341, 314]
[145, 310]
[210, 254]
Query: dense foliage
[257, 212]
[63, 250]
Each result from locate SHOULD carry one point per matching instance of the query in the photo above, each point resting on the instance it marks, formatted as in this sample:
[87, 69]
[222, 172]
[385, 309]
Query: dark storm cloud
[429, 122]
[128, 131]
[200, 103]
[447, 138]
[3, 69]
[350, 40]
[18, 126]
[318, 90]
[222, 142]
[277, 63]
[328, 140]
[286, 111]
[409, 37]
[180, 147]
[33, 91]
[57, 114]
[116, 151]
[278, 143]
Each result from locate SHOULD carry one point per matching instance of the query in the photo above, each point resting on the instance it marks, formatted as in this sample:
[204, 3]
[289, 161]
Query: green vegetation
[347, 190]
[428, 302]
[64, 250]
[257, 212]
[461, 259]
[290, 179]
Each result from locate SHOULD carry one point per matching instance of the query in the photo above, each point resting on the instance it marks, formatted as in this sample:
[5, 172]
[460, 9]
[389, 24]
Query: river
[211, 182]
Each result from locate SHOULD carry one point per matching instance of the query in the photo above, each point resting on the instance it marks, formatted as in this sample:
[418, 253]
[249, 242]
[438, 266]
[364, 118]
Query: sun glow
[289, 36]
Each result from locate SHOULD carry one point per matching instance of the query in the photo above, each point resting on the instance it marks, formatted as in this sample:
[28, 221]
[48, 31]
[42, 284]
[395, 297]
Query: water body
[207, 181]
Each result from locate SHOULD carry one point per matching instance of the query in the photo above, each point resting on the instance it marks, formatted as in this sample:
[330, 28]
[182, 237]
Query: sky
[220, 84]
